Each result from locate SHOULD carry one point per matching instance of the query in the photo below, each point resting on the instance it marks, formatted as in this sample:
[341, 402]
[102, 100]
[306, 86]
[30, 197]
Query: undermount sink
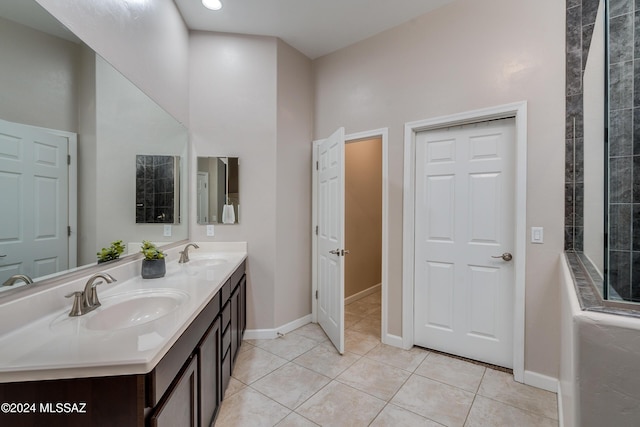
[134, 308]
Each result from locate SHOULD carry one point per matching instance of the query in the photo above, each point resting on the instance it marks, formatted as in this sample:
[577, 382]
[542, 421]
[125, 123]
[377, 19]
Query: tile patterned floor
[300, 380]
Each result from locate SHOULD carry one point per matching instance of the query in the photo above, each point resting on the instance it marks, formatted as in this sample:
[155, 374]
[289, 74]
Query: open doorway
[363, 236]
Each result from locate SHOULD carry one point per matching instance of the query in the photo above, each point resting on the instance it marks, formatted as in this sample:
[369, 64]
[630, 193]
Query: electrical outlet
[537, 235]
[210, 231]
[167, 230]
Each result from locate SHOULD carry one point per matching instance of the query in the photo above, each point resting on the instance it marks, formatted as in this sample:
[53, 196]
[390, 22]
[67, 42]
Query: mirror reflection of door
[203, 197]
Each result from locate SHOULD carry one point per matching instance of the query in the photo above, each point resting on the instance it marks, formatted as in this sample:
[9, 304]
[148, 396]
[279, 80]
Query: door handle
[505, 256]
[335, 252]
[2, 256]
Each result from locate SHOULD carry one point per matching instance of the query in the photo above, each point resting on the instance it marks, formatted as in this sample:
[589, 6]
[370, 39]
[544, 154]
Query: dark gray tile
[620, 7]
[579, 207]
[573, 3]
[574, 28]
[620, 180]
[575, 116]
[635, 277]
[636, 36]
[620, 132]
[569, 176]
[574, 71]
[620, 227]
[579, 160]
[587, 33]
[568, 238]
[569, 206]
[620, 273]
[635, 244]
[636, 82]
[621, 85]
[636, 180]
[621, 43]
[589, 11]
[636, 131]
[578, 243]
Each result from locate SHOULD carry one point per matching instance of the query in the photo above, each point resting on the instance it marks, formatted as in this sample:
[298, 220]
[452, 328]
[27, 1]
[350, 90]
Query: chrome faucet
[87, 300]
[184, 254]
[13, 279]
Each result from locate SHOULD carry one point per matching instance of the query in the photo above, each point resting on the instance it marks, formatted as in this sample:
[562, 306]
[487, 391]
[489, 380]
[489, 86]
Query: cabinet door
[180, 408]
[243, 307]
[210, 358]
[235, 325]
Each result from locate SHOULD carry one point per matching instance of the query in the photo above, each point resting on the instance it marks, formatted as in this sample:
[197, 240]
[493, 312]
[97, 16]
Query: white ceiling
[314, 27]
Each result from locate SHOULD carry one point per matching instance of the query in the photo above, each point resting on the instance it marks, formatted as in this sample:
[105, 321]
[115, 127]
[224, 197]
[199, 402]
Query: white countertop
[56, 346]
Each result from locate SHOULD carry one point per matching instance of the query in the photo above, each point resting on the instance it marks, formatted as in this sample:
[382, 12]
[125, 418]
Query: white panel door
[330, 260]
[464, 219]
[34, 183]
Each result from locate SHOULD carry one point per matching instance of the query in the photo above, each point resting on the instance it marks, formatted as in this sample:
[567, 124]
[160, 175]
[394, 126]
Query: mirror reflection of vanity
[54, 84]
[218, 194]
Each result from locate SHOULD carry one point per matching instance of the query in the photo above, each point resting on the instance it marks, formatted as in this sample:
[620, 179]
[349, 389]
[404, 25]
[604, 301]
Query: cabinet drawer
[162, 376]
[226, 340]
[225, 316]
[225, 291]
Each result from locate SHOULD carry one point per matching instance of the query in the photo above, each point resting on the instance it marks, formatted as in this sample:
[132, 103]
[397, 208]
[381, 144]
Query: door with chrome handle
[505, 256]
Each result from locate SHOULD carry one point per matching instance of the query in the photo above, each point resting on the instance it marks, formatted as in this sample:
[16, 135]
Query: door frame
[518, 111]
[383, 134]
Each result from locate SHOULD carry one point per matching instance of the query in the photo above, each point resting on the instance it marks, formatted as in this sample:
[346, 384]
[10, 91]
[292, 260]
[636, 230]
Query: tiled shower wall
[624, 153]
[624, 129]
[581, 15]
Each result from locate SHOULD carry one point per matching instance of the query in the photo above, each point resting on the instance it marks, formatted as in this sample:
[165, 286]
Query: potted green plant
[153, 264]
[111, 253]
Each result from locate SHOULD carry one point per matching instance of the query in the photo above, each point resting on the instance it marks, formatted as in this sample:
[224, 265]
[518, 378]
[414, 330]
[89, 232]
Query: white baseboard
[541, 381]
[268, 334]
[362, 294]
[392, 340]
[560, 408]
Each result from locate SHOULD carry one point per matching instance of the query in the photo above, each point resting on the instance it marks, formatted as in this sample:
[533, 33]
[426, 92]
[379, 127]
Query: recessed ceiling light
[212, 4]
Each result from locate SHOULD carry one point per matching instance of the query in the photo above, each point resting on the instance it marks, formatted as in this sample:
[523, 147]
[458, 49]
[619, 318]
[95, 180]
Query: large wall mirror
[70, 129]
[218, 191]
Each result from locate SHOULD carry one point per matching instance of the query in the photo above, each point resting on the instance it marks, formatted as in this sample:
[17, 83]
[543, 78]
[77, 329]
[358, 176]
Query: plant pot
[153, 268]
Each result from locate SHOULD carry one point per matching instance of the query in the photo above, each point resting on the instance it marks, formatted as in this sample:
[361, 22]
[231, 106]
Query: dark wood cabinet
[185, 388]
[180, 406]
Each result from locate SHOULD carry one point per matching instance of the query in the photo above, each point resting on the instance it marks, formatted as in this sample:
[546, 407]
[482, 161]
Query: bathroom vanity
[168, 366]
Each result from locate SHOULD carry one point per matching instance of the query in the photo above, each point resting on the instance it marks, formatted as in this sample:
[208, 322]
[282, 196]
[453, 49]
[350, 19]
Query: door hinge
[68, 230]
[317, 165]
[68, 159]
[316, 294]
[316, 230]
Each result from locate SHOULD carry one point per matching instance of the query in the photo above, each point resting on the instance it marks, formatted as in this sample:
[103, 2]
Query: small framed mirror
[218, 191]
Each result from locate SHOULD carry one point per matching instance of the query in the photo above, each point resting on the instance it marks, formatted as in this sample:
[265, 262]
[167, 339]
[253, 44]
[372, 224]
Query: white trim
[268, 334]
[382, 133]
[519, 111]
[541, 381]
[363, 294]
[393, 340]
[560, 408]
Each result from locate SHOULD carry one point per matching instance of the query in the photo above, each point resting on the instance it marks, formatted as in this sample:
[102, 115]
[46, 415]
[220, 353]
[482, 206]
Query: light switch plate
[167, 230]
[210, 231]
[537, 235]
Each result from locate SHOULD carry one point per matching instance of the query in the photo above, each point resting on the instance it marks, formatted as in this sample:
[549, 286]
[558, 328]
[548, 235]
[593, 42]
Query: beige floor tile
[250, 408]
[369, 326]
[393, 416]
[325, 359]
[291, 385]
[408, 360]
[351, 319]
[255, 363]
[452, 371]
[501, 386]
[374, 378]
[359, 343]
[340, 405]
[360, 308]
[375, 298]
[488, 412]
[233, 387]
[433, 400]
[245, 346]
[312, 331]
[296, 420]
[288, 347]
